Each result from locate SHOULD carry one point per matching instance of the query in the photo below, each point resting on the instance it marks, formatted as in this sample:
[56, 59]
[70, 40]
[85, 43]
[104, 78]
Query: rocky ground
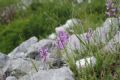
[25, 63]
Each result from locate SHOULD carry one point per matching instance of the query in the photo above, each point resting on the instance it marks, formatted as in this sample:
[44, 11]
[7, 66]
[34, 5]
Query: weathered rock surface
[74, 44]
[113, 45]
[69, 25]
[20, 67]
[3, 59]
[22, 48]
[63, 73]
[24, 65]
[108, 29]
[33, 50]
[1, 74]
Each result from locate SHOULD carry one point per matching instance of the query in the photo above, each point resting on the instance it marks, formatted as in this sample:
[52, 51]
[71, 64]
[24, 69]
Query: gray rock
[104, 33]
[71, 23]
[63, 73]
[68, 26]
[11, 78]
[45, 43]
[33, 51]
[20, 67]
[113, 45]
[1, 74]
[3, 59]
[74, 44]
[22, 48]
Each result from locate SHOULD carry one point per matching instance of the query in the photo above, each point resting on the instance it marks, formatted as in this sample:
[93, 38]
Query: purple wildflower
[43, 53]
[111, 11]
[62, 39]
[89, 34]
[109, 4]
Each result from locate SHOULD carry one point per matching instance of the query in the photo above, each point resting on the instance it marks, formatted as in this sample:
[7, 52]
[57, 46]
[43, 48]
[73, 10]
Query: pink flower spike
[43, 54]
[62, 39]
[89, 34]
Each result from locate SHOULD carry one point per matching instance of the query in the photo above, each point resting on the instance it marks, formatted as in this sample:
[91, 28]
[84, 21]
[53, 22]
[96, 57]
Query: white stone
[58, 29]
[11, 78]
[82, 63]
[26, 2]
[80, 1]
[71, 23]
[52, 36]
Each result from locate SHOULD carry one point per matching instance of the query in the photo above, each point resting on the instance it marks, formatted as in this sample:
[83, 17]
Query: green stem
[34, 65]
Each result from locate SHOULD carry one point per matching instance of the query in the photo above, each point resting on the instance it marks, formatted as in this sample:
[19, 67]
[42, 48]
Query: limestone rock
[20, 67]
[22, 48]
[74, 44]
[33, 50]
[63, 73]
[82, 63]
[3, 59]
[68, 26]
[113, 45]
[101, 34]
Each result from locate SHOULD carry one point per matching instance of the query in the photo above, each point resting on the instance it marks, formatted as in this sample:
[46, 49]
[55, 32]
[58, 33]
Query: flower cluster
[43, 54]
[62, 39]
[111, 10]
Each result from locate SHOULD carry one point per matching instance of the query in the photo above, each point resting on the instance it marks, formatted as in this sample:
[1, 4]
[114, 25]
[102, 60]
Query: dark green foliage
[41, 18]
[11, 35]
[38, 21]
[4, 3]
